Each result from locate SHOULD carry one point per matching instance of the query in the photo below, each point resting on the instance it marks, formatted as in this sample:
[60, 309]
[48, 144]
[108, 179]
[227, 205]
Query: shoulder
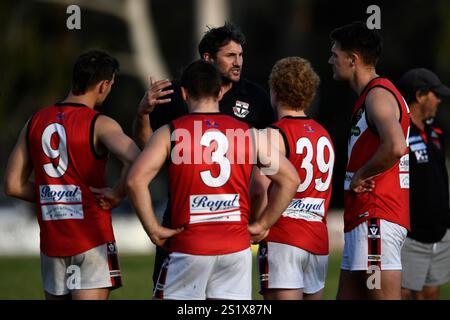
[105, 124]
[235, 122]
[380, 96]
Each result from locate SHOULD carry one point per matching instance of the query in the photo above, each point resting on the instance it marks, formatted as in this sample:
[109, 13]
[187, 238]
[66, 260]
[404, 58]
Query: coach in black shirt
[426, 252]
[243, 99]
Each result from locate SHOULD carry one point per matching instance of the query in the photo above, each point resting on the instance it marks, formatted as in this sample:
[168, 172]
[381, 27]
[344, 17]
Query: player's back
[310, 150]
[209, 173]
[65, 163]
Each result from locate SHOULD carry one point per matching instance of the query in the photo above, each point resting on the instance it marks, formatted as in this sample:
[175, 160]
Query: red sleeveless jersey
[209, 174]
[310, 150]
[60, 142]
[390, 198]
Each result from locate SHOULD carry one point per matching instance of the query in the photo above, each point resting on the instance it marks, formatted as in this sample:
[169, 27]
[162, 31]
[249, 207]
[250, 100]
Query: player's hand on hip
[257, 232]
[160, 236]
[106, 198]
[155, 95]
[360, 185]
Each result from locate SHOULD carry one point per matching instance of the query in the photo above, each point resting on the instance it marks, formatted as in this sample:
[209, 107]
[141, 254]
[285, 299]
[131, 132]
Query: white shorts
[195, 277]
[282, 266]
[93, 269]
[374, 243]
[426, 264]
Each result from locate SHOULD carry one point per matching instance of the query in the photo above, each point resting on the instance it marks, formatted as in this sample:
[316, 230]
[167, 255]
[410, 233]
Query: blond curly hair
[294, 82]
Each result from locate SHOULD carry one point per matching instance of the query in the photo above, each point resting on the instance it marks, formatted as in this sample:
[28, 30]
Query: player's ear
[420, 96]
[184, 94]
[208, 57]
[353, 58]
[102, 86]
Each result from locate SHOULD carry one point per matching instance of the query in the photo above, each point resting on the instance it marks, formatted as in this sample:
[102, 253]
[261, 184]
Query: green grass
[20, 278]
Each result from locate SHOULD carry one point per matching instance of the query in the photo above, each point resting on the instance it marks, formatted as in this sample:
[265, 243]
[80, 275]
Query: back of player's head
[356, 37]
[201, 79]
[92, 67]
[215, 38]
[294, 82]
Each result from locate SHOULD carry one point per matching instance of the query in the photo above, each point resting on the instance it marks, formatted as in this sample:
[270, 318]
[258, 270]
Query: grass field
[20, 278]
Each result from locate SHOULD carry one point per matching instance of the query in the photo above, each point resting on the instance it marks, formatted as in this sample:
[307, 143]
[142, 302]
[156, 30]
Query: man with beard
[426, 252]
[242, 99]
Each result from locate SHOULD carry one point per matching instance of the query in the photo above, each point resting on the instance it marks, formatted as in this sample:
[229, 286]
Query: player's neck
[361, 78]
[416, 117]
[85, 99]
[204, 106]
[227, 86]
[283, 112]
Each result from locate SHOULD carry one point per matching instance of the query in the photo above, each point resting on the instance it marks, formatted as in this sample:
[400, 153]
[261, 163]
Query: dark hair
[92, 67]
[201, 79]
[358, 38]
[215, 38]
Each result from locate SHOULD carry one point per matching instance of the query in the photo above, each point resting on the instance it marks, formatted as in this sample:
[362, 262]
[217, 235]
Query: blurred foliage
[37, 52]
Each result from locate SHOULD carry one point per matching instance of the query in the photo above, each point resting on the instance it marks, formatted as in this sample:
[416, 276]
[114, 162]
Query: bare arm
[143, 171]
[109, 134]
[284, 184]
[260, 182]
[142, 130]
[383, 112]
[18, 171]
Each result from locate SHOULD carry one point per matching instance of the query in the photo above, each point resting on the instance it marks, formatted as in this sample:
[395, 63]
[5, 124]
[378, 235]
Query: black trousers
[161, 253]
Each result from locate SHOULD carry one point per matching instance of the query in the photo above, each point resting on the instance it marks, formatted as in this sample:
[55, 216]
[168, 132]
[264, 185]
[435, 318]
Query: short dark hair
[359, 38]
[92, 67]
[215, 38]
[201, 79]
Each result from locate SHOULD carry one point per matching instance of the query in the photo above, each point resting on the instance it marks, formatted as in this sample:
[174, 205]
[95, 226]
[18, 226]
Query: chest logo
[241, 109]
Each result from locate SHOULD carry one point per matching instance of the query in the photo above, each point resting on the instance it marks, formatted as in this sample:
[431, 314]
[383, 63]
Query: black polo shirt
[245, 101]
[429, 190]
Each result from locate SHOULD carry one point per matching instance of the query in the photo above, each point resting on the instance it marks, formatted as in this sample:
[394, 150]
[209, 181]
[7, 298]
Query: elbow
[294, 181]
[398, 150]
[10, 189]
[130, 184]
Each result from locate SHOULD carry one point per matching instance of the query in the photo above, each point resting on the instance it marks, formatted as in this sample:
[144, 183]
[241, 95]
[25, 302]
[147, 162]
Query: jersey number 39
[325, 167]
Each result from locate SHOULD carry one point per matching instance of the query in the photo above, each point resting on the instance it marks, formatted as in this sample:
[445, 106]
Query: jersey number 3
[55, 150]
[218, 157]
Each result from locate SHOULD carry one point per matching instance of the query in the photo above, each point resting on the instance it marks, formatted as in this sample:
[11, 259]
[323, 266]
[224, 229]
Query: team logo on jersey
[60, 116]
[421, 156]
[404, 180]
[211, 124]
[308, 128]
[404, 163]
[358, 115]
[241, 109]
[355, 131]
